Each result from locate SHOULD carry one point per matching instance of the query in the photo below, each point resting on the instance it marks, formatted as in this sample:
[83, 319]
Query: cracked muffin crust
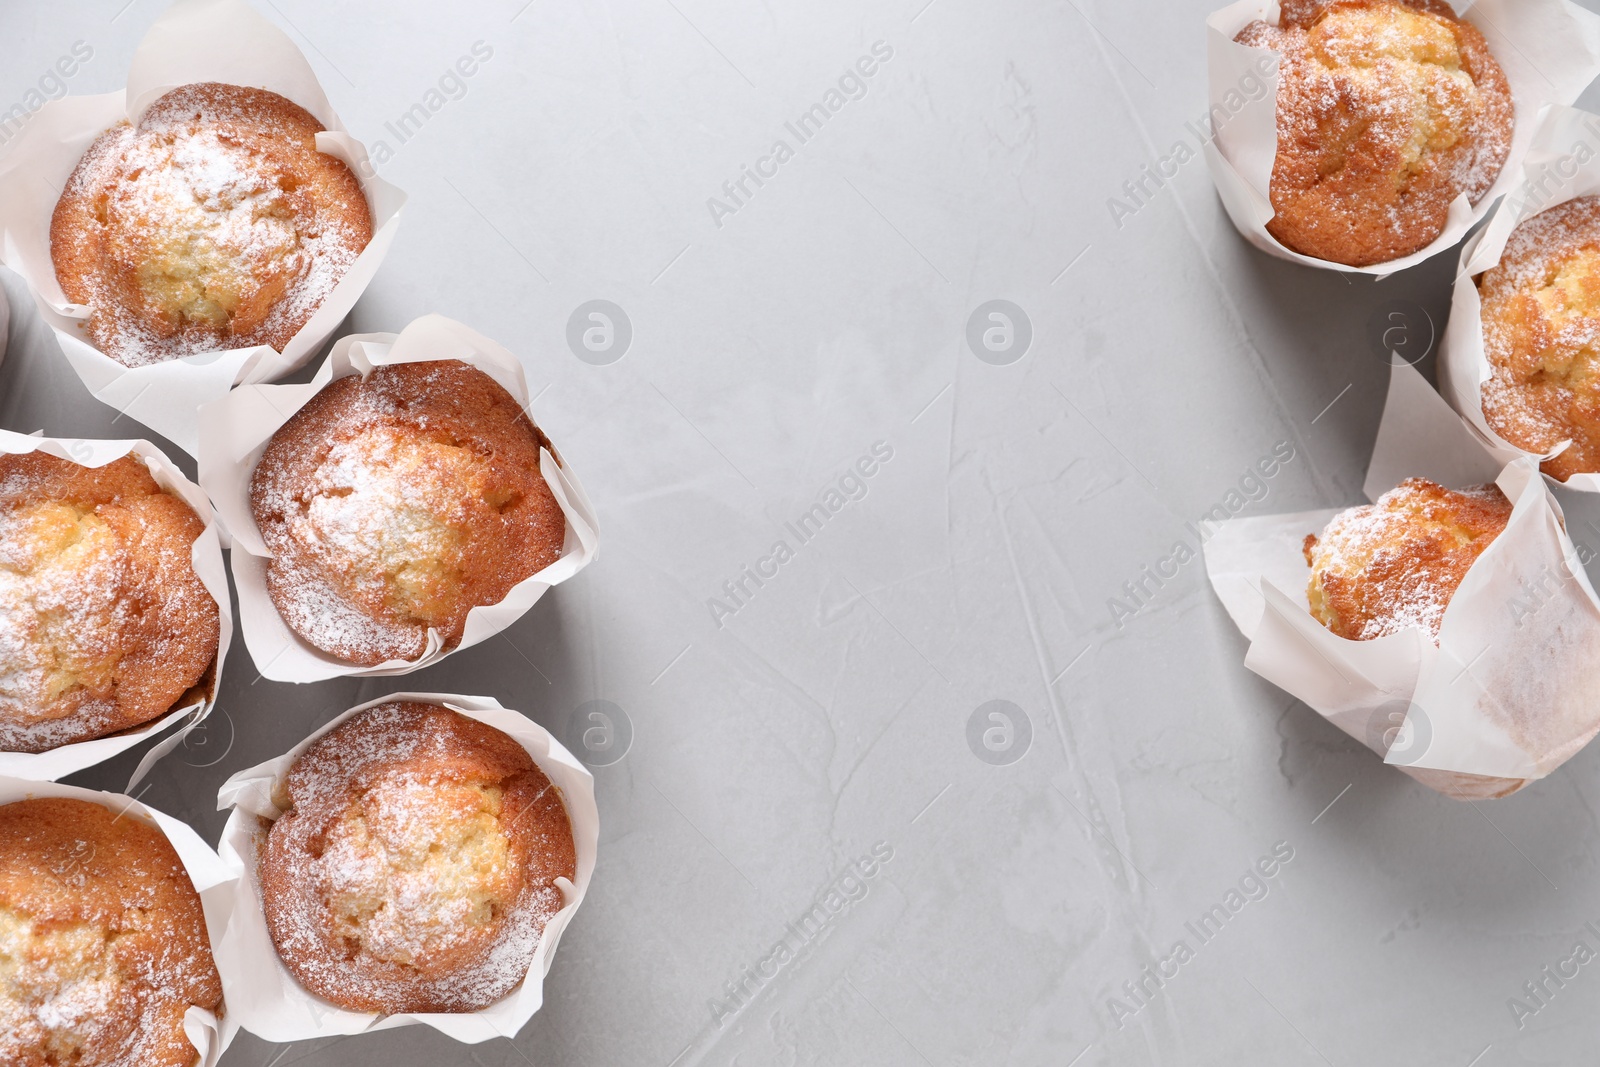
[214, 223]
[397, 503]
[103, 943]
[1387, 111]
[104, 624]
[1541, 334]
[1381, 567]
[415, 865]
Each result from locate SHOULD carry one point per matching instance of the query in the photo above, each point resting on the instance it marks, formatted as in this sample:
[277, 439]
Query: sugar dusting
[388, 513]
[437, 888]
[1380, 124]
[208, 237]
[1541, 335]
[1382, 567]
[322, 612]
[58, 985]
[73, 601]
[55, 610]
[376, 522]
[103, 944]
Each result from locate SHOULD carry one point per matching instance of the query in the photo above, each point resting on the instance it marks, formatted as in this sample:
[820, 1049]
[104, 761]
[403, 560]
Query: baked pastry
[104, 624]
[1541, 334]
[398, 502]
[103, 943]
[415, 865]
[214, 223]
[1387, 111]
[1382, 567]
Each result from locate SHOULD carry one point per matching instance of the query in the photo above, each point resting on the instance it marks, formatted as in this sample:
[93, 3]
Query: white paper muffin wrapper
[1509, 690]
[1548, 49]
[5, 324]
[1551, 175]
[212, 879]
[194, 41]
[65, 760]
[259, 989]
[236, 429]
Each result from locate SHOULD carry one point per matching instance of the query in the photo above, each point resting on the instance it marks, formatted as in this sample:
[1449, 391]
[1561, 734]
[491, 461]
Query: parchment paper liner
[1548, 49]
[1509, 692]
[212, 879]
[1551, 176]
[236, 429]
[207, 555]
[259, 989]
[193, 41]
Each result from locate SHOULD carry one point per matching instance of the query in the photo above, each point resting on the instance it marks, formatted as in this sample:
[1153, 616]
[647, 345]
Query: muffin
[1382, 567]
[1387, 111]
[1541, 334]
[415, 865]
[103, 943]
[214, 223]
[394, 504]
[104, 624]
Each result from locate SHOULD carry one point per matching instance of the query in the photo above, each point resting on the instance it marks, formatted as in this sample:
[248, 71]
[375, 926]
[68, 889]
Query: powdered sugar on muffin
[1382, 567]
[415, 866]
[213, 223]
[395, 504]
[103, 942]
[104, 623]
[1541, 335]
[1388, 110]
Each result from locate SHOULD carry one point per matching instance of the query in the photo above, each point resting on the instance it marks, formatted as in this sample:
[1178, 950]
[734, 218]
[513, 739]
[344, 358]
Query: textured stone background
[1138, 772]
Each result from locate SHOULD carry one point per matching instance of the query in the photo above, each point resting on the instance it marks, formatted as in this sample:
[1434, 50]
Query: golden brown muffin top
[1381, 567]
[104, 624]
[1541, 334]
[399, 502]
[415, 866]
[103, 943]
[214, 223]
[1387, 111]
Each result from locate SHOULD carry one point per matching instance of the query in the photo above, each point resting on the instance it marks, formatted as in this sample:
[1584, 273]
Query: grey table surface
[775, 342]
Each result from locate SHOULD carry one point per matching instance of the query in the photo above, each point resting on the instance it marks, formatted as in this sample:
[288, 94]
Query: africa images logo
[1251, 887]
[1252, 487]
[850, 486]
[51, 85]
[848, 888]
[851, 85]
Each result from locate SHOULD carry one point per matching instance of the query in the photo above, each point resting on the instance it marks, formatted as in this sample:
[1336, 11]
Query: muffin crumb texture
[104, 624]
[1387, 111]
[214, 223]
[1541, 335]
[414, 869]
[397, 503]
[1379, 568]
[103, 944]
